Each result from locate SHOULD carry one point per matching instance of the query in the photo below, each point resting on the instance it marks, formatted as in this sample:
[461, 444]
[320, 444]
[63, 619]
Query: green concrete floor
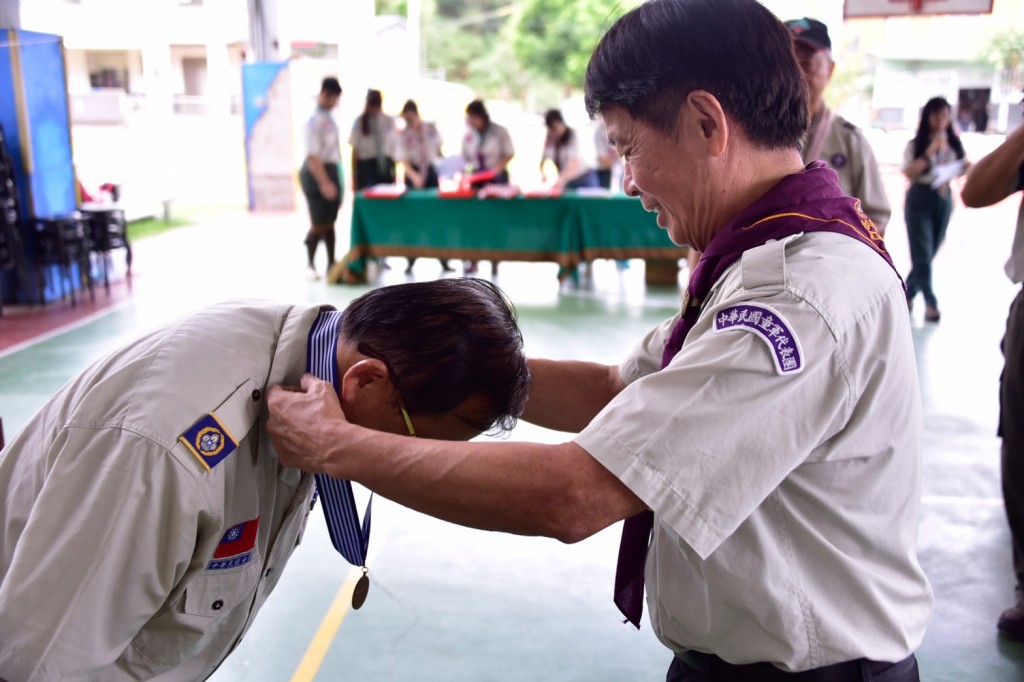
[454, 604]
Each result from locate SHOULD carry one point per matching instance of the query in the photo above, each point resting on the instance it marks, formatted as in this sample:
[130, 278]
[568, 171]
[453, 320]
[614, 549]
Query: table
[566, 230]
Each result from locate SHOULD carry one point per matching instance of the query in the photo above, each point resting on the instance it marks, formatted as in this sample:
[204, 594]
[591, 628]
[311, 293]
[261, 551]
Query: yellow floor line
[314, 656]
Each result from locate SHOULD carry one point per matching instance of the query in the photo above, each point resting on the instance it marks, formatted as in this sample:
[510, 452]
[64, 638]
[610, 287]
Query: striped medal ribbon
[348, 536]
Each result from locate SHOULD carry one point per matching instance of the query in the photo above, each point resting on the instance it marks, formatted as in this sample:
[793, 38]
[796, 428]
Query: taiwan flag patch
[236, 546]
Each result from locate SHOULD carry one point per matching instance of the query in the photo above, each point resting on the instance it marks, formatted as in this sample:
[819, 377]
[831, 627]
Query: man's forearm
[566, 395]
[556, 491]
[989, 180]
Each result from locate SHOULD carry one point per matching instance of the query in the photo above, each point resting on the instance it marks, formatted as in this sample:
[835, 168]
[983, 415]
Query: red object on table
[481, 176]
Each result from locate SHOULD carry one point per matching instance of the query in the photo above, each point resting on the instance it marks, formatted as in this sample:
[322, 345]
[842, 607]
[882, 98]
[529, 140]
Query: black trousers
[1011, 429]
[927, 213]
[368, 173]
[708, 668]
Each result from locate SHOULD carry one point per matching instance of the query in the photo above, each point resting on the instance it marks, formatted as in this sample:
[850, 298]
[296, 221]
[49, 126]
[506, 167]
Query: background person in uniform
[831, 138]
[419, 148]
[562, 148]
[605, 156]
[769, 435]
[144, 514]
[373, 145]
[319, 176]
[486, 146]
[928, 209]
[991, 180]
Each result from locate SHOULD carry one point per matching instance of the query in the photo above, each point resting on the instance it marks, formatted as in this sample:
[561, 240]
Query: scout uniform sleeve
[401, 151]
[438, 140]
[867, 182]
[908, 155]
[548, 153]
[112, 532]
[706, 440]
[390, 139]
[506, 143]
[314, 140]
[353, 138]
[646, 357]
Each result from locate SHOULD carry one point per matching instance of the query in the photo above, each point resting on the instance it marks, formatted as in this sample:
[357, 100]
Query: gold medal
[361, 590]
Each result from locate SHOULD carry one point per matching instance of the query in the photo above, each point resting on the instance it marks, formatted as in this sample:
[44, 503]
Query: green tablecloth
[566, 230]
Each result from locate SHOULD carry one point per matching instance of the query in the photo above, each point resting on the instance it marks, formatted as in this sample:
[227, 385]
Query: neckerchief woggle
[348, 537]
[811, 201]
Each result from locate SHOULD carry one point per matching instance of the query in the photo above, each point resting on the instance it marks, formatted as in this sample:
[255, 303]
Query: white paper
[946, 172]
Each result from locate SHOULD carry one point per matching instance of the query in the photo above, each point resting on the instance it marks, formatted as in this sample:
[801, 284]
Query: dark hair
[444, 341]
[330, 86]
[657, 54]
[477, 108]
[551, 117]
[410, 107]
[373, 99]
[923, 136]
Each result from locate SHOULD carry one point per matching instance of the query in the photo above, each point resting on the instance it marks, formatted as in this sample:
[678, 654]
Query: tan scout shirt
[786, 505]
[322, 137]
[848, 153]
[495, 144]
[113, 533]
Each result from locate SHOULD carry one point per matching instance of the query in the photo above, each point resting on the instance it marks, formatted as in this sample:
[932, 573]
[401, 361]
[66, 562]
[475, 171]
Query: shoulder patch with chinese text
[770, 327]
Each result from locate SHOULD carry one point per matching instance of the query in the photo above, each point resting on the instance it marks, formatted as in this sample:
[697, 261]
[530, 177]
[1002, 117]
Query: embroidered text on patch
[771, 327]
[235, 547]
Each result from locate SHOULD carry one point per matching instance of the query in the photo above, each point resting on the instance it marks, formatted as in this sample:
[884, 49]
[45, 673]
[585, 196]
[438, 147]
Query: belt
[718, 670]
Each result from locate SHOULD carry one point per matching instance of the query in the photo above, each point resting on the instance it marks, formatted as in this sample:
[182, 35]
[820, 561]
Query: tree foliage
[1007, 52]
[555, 38]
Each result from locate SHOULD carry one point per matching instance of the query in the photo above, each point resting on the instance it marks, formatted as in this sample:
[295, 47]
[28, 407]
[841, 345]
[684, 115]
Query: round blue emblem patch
[837, 161]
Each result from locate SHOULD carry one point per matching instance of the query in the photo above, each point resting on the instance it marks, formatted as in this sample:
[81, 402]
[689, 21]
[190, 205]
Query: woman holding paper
[933, 158]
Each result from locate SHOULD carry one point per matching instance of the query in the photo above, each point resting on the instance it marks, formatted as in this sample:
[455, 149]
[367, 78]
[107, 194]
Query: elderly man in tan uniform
[831, 138]
[144, 513]
[763, 445]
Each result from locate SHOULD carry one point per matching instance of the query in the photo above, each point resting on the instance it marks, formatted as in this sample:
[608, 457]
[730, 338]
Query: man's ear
[369, 374]
[704, 110]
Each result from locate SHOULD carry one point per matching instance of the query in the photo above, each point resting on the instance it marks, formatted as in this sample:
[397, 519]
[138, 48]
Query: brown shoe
[932, 314]
[1011, 622]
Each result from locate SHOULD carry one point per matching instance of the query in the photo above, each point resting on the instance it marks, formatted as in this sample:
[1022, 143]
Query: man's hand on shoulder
[305, 422]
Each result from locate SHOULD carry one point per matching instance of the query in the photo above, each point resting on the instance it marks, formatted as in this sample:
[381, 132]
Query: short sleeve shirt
[562, 156]
[419, 147]
[382, 138]
[495, 144]
[322, 138]
[786, 504]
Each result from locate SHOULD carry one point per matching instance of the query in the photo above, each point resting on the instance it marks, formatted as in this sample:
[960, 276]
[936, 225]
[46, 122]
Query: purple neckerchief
[811, 201]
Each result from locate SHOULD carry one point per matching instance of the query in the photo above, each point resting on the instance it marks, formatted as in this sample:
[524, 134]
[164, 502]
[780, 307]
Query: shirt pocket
[205, 620]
